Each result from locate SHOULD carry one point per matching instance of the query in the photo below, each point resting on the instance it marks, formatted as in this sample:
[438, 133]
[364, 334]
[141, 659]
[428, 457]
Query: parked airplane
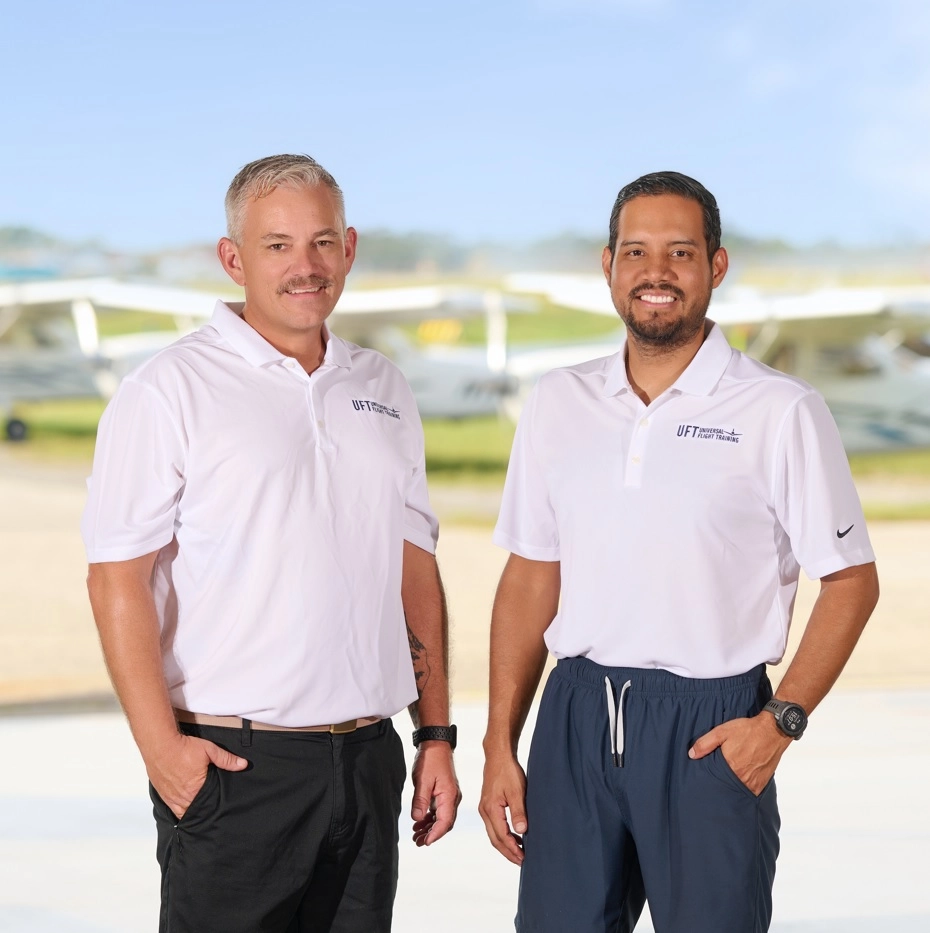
[865, 349]
[50, 343]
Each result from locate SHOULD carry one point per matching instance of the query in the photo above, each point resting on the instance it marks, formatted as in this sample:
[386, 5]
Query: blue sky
[494, 119]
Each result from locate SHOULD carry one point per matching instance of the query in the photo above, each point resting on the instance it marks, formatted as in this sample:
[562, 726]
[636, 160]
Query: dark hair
[670, 183]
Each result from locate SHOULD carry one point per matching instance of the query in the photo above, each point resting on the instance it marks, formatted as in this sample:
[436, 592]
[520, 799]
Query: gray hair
[261, 177]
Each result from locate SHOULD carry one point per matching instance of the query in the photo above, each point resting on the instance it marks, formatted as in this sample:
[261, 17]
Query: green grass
[116, 323]
[61, 430]
[471, 452]
[475, 449]
[551, 324]
[896, 511]
[897, 464]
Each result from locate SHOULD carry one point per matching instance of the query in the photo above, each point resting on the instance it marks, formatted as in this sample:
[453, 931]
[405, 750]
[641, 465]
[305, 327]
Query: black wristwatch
[789, 717]
[435, 734]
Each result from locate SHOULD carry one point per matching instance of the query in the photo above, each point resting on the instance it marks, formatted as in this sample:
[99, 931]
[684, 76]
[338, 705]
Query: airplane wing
[48, 329]
[107, 294]
[837, 315]
[363, 307]
[578, 292]
[865, 349]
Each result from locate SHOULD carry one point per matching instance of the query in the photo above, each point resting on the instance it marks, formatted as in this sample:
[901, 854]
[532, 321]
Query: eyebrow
[670, 243]
[328, 231]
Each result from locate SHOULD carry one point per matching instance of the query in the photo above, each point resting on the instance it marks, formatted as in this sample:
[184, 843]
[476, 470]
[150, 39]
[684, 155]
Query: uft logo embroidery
[708, 434]
[367, 405]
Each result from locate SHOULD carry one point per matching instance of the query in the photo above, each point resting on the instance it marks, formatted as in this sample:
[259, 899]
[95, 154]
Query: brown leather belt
[236, 722]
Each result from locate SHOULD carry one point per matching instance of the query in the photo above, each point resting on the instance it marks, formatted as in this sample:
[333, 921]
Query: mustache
[657, 287]
[304, 281]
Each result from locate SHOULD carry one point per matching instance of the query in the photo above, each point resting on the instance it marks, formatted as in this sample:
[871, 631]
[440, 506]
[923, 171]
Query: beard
[659, 332]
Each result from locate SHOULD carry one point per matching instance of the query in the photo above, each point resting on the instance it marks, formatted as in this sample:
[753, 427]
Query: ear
[607, 260]
[228, 254]
[351, 243]
[719, 265]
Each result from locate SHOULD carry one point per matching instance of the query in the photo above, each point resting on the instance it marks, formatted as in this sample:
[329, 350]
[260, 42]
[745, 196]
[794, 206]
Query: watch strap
[435, 734]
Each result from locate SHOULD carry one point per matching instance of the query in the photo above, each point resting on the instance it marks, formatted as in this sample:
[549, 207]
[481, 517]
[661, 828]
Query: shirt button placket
[316, 424]
[638, 440]
[315, 405]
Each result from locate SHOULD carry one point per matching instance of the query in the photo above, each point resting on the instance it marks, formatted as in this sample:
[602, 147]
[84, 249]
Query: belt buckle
[341, 728]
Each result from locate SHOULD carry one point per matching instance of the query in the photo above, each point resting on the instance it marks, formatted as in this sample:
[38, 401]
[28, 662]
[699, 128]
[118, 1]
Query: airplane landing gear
[15, 430]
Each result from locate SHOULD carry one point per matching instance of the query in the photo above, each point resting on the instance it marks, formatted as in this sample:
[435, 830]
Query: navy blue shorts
[615, 822]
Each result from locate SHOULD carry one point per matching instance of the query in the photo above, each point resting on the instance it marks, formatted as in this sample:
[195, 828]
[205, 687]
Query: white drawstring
[615, 721]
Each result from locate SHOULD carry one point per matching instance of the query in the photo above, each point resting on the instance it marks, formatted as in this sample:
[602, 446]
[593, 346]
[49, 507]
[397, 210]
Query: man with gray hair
[263, 578]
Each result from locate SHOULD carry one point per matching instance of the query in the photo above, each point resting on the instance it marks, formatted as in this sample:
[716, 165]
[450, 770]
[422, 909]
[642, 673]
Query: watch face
[792, 719]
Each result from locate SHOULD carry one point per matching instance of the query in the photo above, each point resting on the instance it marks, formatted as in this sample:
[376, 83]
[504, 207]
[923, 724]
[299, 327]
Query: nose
[658, 268]
[307, 260]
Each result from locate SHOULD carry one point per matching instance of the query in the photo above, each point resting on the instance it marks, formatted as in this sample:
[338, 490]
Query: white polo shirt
[278, 503]
[680, 526]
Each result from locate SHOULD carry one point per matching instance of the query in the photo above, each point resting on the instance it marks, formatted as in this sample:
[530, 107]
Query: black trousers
[303, 841]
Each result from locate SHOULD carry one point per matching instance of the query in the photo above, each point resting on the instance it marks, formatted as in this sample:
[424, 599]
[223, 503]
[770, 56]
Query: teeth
[658, 299]
[303, 291]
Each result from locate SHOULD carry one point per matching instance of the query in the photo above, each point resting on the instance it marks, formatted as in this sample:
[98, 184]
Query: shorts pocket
[720, 768]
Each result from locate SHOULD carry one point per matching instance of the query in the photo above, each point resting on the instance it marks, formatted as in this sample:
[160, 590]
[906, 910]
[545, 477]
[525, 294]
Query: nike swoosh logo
[842, 534]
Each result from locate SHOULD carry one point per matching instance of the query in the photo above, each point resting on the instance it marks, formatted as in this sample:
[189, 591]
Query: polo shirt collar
[708, 366]
[252, 346]
[702, 374]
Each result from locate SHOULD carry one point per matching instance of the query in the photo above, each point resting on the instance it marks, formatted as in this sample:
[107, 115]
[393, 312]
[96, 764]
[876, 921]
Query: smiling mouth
[657, 296]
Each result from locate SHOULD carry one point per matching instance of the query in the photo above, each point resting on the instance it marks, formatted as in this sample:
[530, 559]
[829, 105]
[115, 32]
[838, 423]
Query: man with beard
[667, 496]
[262, 576]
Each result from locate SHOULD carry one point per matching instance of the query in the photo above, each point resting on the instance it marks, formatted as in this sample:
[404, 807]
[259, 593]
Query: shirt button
[644, 423]
[319, 423]
[636, 459]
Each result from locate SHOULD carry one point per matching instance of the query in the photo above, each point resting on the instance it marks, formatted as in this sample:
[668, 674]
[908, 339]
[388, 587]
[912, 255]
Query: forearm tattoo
[420, 661]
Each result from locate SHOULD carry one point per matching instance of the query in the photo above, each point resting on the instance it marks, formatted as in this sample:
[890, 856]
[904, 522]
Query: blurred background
[480, 148]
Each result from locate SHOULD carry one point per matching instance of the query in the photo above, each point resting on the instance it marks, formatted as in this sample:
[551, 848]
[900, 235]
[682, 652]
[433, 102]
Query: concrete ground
[76, 840]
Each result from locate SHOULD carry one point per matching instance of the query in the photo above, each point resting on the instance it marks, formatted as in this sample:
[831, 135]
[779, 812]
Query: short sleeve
[137, 477]
[815, 498]
[527, 523]
[421, 527]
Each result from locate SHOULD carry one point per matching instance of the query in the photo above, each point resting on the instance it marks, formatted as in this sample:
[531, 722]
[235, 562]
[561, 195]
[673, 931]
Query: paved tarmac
[77, 839]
